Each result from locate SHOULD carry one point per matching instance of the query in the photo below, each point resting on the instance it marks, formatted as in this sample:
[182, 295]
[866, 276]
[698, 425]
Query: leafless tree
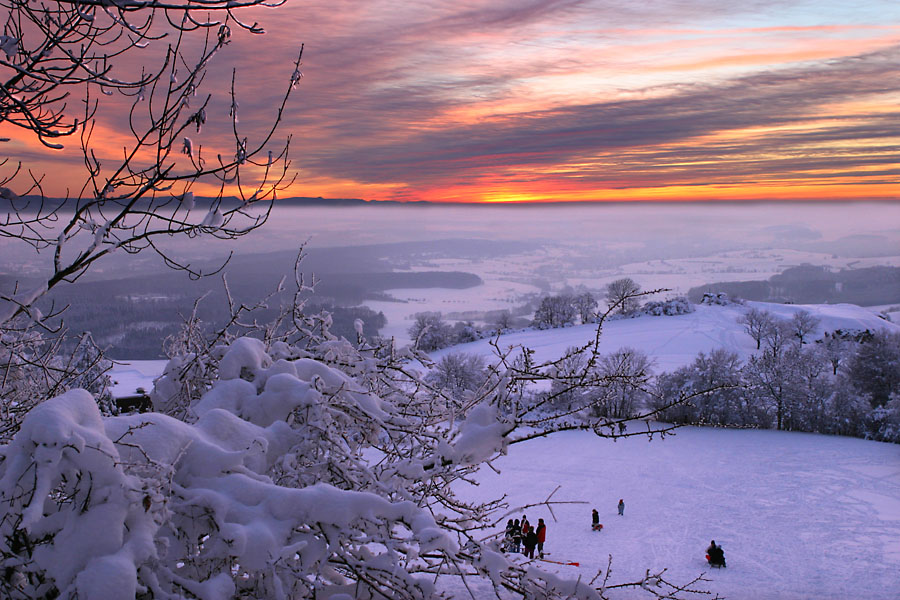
[503, 320]
[626, 374]
[778, 336]
[555, 311]
[586, 305]
[51, 52]
[756, 323]
[64, 64]
[126, 203]
[623, 294]
[803, 324]
[835, 349]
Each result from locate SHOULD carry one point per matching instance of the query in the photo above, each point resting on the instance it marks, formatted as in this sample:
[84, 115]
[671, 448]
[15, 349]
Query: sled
[716, 565]
[559, 562]
[597, 527]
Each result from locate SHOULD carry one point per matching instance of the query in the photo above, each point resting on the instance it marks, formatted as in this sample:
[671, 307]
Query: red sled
[597, 527]
[560, 562]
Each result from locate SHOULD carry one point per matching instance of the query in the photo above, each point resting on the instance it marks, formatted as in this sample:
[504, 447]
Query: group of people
[522, 535]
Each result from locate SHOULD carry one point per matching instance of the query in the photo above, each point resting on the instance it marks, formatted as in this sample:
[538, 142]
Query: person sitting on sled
[715, 555]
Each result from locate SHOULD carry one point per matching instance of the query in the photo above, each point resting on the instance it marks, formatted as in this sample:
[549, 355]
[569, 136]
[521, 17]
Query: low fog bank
[472, 263]
[859, 229]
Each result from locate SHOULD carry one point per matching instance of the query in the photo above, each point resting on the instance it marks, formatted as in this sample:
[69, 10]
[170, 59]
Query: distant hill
[31, 202]
[808, 284]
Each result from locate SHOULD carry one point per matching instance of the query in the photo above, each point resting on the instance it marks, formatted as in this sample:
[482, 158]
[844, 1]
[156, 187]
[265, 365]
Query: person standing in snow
[529, 541]
[595, 520]
[621, 507]
[508, 536]
[517, 536]
[541, 532]
[526, 526]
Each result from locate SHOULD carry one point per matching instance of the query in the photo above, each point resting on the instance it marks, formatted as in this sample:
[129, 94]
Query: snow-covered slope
[674, 341]
[800, 516]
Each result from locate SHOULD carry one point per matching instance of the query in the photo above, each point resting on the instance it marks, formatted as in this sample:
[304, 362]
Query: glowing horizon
[488, 101]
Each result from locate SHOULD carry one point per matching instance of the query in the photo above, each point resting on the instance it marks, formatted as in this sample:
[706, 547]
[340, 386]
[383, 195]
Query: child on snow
[621, 507]
[595, 520]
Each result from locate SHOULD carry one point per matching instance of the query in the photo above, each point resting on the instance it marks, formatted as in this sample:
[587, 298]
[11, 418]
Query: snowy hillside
[671, 341]
[674, 341]
[800, 516]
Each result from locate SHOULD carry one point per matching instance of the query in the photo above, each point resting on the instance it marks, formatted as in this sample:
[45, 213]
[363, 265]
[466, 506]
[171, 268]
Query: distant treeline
[808, 284]
[135, 327]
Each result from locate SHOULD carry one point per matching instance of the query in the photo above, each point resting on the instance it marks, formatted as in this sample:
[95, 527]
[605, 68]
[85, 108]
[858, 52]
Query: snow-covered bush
[678, 305]
[874, 369]
[719, 298]
[430, 332]
[459, 375]
[464, 332]
[88, 370]
[714, 380]
[308, 468]
[265, 495]
[33, 368]
[884, 421]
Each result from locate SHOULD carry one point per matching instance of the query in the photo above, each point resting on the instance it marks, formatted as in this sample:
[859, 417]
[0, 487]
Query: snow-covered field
[674, 341]
[800, 516]
[128, 376]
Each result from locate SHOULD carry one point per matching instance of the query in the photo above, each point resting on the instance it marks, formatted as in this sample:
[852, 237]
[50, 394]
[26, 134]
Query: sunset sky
[544, 100]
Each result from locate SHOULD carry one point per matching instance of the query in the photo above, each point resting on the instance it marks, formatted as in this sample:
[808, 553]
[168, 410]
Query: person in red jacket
[541, 536]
